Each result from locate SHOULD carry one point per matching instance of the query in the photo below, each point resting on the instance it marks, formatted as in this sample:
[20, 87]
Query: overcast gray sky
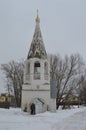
[63, 26]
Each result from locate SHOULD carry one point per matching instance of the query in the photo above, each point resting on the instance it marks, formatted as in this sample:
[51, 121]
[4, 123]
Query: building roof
[37, 48]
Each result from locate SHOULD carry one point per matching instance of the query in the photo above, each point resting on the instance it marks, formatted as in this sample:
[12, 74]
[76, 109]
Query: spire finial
[37, 12]
[37, 18]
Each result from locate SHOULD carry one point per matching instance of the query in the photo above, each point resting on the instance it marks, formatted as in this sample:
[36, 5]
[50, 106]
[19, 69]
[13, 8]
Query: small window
[28, 68]
[46, 71]
[45, 68]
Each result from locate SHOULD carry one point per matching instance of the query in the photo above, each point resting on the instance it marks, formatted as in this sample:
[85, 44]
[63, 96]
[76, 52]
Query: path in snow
[74, 122]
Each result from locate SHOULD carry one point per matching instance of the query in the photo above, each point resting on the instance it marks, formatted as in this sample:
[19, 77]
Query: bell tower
[36, 87]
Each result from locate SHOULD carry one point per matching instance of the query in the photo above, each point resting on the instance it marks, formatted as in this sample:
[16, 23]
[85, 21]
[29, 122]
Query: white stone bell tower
[36, 87]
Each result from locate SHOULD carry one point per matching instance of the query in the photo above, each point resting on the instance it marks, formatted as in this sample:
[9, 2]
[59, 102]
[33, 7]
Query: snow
[15, 119]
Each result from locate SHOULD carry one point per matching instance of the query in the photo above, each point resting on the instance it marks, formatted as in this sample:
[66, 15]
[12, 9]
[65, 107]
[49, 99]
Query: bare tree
[13, 72]
[65, 71]
[83, 93]
[82, 89]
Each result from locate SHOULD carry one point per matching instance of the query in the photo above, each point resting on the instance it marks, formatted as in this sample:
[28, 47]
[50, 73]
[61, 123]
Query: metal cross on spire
[37, 18]
[37, 12]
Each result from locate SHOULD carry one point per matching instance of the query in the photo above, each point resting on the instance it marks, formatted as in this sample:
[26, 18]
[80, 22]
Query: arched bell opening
[37, 69]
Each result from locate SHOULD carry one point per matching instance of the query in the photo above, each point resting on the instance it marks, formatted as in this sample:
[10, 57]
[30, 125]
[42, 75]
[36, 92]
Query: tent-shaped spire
[37, 48]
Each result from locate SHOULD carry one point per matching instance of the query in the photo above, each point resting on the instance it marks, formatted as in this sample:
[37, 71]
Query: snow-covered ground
[15, 119]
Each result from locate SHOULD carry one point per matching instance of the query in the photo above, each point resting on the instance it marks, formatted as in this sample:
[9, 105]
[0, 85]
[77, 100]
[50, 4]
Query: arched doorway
[39, 105]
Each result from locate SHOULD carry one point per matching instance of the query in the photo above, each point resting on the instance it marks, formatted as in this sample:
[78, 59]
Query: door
[38, 107]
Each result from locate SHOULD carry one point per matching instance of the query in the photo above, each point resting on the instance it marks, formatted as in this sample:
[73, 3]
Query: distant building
[4, 100]
[36, 87]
